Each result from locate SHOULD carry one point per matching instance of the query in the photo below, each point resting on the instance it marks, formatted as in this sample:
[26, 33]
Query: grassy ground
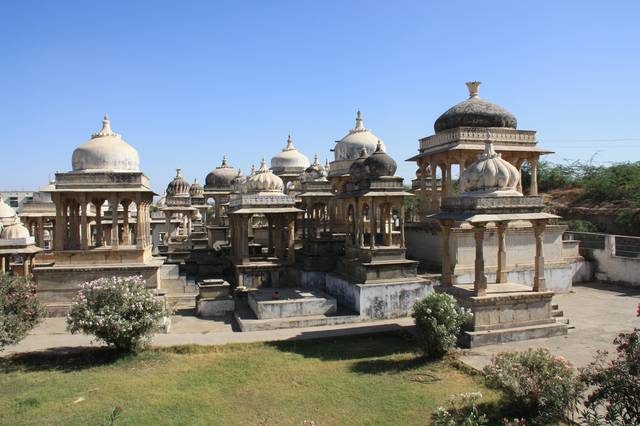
[372, 380]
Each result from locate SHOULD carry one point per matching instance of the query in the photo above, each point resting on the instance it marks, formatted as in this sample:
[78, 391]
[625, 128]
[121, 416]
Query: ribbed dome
[14, 231]
[178, 187]
[380, 163]
[105, 151]
[315, 172]
[237, 183]
[357, 170]
[290, 157]
[195, 190]
[475, 112]
[490, 175]
[350, 146]
[7, 214]
[221, 176]
[264, 181]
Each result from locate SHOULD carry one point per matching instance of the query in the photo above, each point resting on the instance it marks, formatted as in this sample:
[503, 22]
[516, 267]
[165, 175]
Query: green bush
[20, 310]
[619, 184]
[615, 384]
[439, 320]
[536, 383]
[117, 310]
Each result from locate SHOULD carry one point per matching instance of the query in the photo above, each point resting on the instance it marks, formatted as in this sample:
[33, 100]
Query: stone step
[474, 339]
[187, 300]
[556, 313]
[174, 286]
[252, 324]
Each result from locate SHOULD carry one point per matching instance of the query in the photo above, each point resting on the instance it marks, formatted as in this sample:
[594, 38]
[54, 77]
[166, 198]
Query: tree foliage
[20, 310]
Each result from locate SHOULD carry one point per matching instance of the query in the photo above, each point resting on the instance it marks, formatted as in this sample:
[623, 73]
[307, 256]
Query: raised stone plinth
[290, 302]
[508, 312]
[214, 298]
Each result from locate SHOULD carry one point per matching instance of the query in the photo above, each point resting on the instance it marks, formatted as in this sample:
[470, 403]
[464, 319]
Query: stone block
[208, 308]
[290, 302]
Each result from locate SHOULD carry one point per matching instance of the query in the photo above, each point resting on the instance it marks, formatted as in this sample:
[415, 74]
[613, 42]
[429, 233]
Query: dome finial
[253, 170]
[316, 162]
[289, 143]
[473, 87]
[106, 128]
[224, 161]
[178, 172]
[263, 166]
[359, 125]
[379, 147]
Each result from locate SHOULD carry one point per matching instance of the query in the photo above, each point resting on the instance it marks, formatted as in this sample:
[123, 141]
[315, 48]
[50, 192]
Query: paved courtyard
[597, 311]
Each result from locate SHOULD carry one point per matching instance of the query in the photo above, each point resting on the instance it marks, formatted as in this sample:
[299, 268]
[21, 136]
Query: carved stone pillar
[447, 272]
[115, 237]
[58, 234]
[291, 232]
[435, 205]
[402, 219]
[126, 233]
[167, 227]
[538, 231]
[372, 224]
[84, 234]
[501, 273]
[534, 176]
[519, 167]
[480, 281]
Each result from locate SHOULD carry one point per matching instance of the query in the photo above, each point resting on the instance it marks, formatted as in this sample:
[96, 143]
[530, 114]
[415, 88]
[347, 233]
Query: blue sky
[186, 82]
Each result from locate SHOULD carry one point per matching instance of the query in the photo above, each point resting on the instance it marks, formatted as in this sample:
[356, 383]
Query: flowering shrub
[117, 310]
[20, 311]
[616, 383]
[462, 411]
[439, 320]
[536, 383]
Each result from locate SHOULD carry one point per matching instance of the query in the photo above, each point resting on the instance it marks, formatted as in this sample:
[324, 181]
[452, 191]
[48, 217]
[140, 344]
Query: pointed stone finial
[473, 87]
[488, 146]
[363, 153]
[359, 125]
[379, 147]
[253, 170]
[316, 162]
[106, 129]
[263, 166]
[195, 180]
[178, 172]
[289, 143]
[326, 163]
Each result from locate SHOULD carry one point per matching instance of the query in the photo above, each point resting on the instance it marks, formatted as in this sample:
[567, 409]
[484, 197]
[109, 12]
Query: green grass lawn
[371, 380]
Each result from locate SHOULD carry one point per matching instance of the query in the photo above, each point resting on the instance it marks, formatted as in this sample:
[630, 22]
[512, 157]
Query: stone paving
[597, 311]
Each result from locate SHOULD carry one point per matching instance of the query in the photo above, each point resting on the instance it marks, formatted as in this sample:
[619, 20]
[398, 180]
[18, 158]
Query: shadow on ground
[64, 359]
[350, 347]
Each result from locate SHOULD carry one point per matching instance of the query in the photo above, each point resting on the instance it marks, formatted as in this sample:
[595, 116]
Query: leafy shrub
[439, 320]
[20, 310]
[117, 310]
[536, 383]
[616, 384]
[578, 225]
[462, 411]
[619, 183]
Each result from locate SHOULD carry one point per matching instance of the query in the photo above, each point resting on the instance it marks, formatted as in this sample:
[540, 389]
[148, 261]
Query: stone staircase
[559, 315]
[181, 292]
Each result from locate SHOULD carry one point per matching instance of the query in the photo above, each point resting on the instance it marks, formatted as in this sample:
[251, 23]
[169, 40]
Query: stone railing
[616, 257]
[475, 134]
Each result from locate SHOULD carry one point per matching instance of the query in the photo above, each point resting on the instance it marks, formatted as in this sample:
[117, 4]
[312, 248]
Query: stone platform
[508, 312]
[290, 302]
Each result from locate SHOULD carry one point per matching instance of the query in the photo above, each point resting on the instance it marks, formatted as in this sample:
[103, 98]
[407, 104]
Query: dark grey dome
[380, 163]
[195, 191]
[475, 112]
[358, 170]
[178, 187]
[221, 176]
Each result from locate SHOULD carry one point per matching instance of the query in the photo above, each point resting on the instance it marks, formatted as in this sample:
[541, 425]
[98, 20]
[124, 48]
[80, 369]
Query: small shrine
[218, 188]
[288, 165]
[178, 204]
[319, 248]
[374, 277]
[502, 311]
[17, 246]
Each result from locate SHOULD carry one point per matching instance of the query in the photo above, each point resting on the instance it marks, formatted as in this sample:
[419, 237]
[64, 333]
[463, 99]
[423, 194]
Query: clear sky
[185, 81]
